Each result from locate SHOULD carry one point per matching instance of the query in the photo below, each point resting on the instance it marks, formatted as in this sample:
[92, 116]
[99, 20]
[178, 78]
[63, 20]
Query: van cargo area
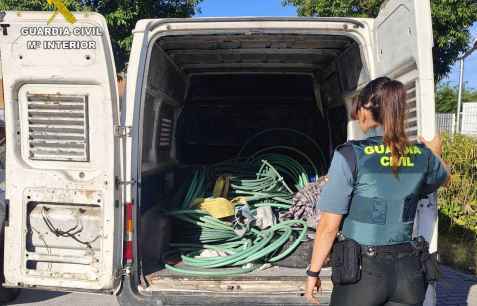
[218, 97]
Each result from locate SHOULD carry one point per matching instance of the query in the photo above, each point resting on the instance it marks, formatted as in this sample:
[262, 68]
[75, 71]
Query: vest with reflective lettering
[383, 205]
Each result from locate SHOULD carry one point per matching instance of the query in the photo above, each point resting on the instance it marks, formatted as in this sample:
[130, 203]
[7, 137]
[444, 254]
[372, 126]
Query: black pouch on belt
[429, 261]
[346, 262]
[430, 264]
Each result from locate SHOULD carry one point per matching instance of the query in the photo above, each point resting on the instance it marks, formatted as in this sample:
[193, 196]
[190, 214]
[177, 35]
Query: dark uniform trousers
[388, 278]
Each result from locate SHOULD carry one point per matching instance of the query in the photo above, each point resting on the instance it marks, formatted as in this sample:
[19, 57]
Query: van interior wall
[215, 114]
[223, 112]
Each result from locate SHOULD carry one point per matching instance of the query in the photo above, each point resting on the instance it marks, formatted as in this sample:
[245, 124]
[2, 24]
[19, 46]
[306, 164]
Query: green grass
[457, 245]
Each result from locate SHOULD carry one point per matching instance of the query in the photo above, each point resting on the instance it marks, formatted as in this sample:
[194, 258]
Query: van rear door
[403, 46]
[64, 221]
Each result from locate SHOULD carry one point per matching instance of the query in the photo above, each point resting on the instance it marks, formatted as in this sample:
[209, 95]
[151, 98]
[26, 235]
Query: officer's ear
[361, 118]
[355, 106]
[366, 119]
[364, 115]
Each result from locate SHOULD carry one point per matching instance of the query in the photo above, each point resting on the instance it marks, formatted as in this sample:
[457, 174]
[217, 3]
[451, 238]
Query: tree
[446, 97]
[451, 21]
[121, 16]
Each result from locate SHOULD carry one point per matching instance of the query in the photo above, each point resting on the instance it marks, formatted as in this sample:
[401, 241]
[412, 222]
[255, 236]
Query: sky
[215, 8]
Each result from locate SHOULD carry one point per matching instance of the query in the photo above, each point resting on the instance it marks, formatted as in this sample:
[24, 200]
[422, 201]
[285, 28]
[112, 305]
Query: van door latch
[123, 272]
[122, 131]
[7, 212]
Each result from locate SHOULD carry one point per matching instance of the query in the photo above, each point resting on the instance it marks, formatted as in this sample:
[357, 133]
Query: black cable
[71, 233]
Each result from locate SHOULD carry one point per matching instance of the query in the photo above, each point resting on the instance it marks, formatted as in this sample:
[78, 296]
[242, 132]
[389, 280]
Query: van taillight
[128, 239]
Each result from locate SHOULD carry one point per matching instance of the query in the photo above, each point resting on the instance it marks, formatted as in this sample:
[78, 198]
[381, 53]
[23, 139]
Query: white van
[82, 169]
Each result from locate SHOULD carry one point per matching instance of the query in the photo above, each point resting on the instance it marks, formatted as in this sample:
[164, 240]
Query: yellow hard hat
[217, 207]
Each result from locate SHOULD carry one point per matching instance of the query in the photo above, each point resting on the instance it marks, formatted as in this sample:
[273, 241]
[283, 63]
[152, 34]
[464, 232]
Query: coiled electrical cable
[268, 178]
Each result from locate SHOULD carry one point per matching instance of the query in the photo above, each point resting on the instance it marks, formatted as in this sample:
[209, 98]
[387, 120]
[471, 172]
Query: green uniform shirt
[336, 194]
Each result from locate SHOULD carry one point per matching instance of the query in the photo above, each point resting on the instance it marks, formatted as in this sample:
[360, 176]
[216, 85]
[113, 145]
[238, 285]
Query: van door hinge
[122, 131]
[118, 182]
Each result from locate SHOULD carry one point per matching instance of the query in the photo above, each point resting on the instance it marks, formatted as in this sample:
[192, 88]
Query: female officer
[373, 201]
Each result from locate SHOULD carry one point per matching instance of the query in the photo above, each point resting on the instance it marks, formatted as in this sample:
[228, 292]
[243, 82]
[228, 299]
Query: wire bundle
[262, 180]
[242, 254]
[268, 178]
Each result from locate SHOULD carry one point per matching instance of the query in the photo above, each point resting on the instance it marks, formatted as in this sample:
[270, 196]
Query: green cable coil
[266, 179]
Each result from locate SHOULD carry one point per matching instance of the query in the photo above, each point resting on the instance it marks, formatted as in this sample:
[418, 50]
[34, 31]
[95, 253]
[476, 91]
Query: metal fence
[468, 123]
[445, 122]
[468, 119]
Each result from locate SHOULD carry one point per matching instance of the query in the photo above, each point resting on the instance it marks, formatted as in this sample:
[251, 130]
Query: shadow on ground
[456, 288]
[29, 296]
[457, 246]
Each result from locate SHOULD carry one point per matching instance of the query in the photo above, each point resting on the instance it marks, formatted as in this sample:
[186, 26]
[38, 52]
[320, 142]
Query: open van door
[64, 218]
[403, 42]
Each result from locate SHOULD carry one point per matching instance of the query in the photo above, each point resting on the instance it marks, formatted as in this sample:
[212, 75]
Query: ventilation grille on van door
[58, 127]
[165, 133]
[411, 115]
[165, 128]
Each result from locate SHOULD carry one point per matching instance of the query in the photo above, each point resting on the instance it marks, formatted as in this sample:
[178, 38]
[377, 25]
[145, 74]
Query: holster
[346, 262]
[429, 261]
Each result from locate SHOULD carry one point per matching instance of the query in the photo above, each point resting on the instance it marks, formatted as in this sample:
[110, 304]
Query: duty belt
[373, 250]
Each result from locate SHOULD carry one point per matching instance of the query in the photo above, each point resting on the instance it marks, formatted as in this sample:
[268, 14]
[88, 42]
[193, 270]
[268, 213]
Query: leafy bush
[458, 200]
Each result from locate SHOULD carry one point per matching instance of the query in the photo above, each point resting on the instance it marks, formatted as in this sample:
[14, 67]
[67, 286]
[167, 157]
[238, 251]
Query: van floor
[275, 279]
[274, 271]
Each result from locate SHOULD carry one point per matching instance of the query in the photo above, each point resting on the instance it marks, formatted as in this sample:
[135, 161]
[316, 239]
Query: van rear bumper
[130, 296]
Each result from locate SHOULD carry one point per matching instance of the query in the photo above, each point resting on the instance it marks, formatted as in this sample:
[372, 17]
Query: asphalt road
[30, 297]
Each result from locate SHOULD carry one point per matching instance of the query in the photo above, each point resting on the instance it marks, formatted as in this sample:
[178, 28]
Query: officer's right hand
[310, 285]
[435, 145]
